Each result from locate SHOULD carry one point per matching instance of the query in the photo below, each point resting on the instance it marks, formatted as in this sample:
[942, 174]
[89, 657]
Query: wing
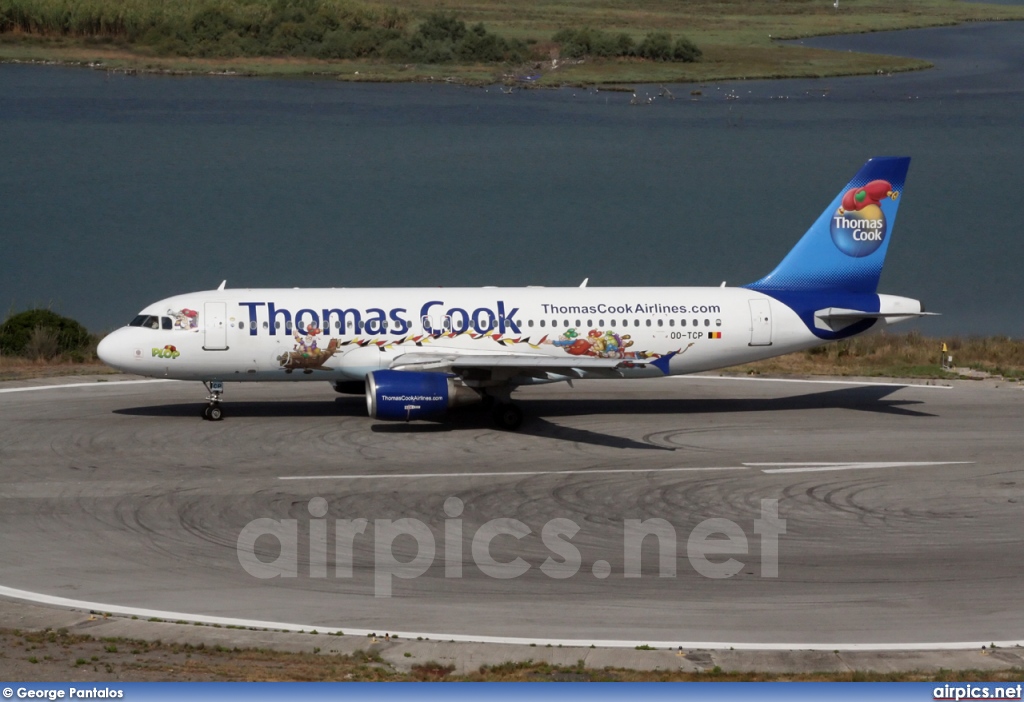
[517, 364]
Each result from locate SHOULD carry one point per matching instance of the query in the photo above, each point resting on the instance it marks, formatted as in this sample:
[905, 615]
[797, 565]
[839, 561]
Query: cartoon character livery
[416, 353]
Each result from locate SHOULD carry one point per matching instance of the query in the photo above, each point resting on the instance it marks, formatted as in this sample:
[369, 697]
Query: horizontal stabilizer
[836, 318]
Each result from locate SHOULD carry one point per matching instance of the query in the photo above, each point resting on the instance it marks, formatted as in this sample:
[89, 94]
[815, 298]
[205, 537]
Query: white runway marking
[94, 384]
[820, 467]
[511, 473]
[819, 382]
[804, 467]
[143, 613]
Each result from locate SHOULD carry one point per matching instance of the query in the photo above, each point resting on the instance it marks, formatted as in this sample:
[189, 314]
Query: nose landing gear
[213, 411]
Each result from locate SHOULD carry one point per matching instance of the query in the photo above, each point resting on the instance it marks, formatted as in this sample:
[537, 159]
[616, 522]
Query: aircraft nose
[109, 350]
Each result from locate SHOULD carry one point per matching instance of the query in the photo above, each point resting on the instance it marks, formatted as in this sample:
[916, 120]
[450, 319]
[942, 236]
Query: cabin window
[696, 322]
[578, 323]
[567, 324]
[671, 322]
[707, 322]
[266, 325]
[542, 323]
[636, 322]
[277, 324]
[718, 322]
[590, 322]
[648, 322]
[554, 323]
[600, 322]
[530, 323]
[661, 322]
[682, 322]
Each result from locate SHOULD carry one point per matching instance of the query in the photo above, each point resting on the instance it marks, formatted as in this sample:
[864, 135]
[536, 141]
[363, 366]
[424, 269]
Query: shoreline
[619, 76]
[775, 58]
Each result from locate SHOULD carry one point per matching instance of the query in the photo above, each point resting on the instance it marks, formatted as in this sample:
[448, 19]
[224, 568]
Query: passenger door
[215, 314]
[760, 323]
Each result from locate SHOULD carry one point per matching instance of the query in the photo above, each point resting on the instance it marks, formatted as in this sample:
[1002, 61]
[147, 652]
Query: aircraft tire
[214, 413]
[507, 416]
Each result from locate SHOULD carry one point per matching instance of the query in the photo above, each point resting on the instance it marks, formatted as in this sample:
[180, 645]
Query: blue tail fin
[845, 248]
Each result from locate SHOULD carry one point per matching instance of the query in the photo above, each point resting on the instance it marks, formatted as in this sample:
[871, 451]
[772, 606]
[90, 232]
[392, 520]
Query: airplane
[416, 353]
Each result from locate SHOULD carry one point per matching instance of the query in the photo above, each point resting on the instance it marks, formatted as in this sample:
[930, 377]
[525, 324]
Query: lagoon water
[118, 190]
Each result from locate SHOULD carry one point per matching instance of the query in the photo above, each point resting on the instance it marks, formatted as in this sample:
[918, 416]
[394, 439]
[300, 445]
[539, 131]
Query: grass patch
[908, 355]
[153, 660]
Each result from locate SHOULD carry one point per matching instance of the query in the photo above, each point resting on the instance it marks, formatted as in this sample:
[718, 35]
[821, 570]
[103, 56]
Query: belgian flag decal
[714, 335]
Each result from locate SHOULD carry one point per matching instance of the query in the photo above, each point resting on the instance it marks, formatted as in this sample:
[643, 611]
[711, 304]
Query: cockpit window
[146, 320]
[166, 323]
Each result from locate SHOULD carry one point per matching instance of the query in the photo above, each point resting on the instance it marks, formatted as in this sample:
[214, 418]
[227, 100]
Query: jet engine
[408, 395]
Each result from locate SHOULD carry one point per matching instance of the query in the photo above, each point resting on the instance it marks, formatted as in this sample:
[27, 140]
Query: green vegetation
[907, 355]
[40, 343]
[594, 43]
[42, 335]
[324, 29]
[481, 41]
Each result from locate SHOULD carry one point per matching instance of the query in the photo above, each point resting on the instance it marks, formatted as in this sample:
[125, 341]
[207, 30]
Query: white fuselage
[344, 334]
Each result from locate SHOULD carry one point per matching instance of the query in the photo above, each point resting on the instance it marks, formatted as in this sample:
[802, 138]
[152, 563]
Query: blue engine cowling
[407, 395]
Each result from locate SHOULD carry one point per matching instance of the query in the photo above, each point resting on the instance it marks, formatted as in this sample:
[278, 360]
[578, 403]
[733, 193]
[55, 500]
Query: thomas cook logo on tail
[858, 227]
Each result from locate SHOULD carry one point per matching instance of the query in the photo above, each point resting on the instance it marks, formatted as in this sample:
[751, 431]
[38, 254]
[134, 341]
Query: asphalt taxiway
[903, 509]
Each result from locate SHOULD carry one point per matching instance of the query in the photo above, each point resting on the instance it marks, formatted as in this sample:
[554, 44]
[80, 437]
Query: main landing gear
[505, 415]
[213, 411]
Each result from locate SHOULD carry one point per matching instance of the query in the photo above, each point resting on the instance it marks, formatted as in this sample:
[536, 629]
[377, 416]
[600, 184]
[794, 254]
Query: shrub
[656, 46]
[577, 43]
[686, 51]
[441, 26]
[34, 331]
[43, 344]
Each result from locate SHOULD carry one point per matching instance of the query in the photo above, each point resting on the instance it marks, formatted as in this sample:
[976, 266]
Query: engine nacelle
[408, 395]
